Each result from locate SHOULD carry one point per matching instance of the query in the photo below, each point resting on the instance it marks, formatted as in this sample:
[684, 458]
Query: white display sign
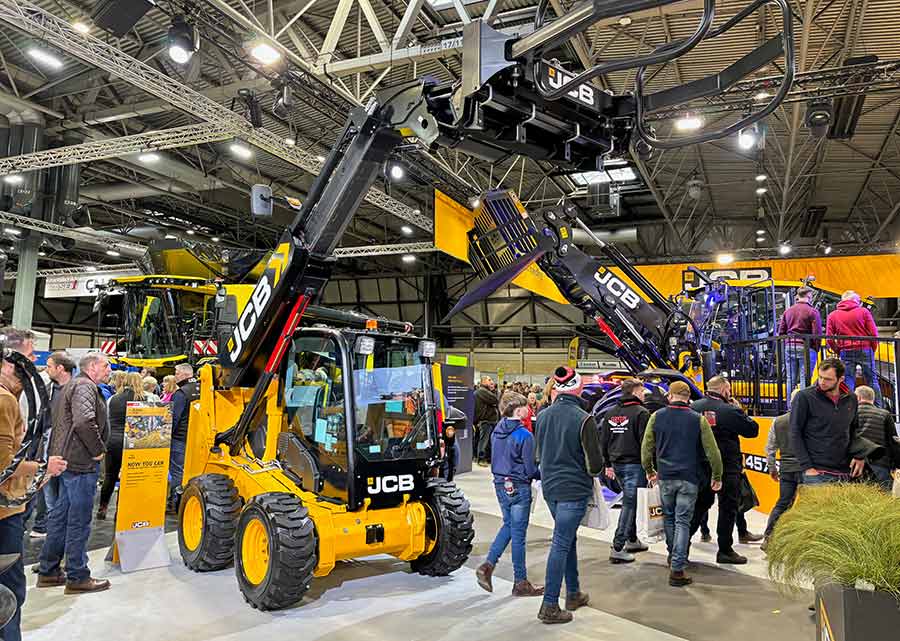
[82, 284]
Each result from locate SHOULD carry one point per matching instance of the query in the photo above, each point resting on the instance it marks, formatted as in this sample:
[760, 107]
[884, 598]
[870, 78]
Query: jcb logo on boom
[390, 484]
[250, 316]
[617, 288]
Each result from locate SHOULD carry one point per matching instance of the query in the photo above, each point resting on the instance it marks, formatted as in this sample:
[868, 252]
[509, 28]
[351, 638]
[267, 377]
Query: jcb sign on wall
[752, 274]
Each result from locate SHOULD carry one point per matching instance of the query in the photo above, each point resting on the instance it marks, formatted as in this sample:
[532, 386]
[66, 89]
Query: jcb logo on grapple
[250, 316]
[390, 484]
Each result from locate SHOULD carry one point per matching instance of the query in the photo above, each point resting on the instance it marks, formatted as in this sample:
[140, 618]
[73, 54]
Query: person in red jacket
[851, 319]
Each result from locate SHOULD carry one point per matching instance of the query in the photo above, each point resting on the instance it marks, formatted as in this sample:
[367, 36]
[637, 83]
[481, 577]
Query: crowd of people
[690, 448]
[87, 413]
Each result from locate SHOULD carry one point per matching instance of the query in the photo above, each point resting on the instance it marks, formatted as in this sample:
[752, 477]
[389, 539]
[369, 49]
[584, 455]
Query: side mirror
[261, 200]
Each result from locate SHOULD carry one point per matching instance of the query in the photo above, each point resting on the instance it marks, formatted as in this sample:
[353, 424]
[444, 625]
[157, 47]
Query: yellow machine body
[341, 533]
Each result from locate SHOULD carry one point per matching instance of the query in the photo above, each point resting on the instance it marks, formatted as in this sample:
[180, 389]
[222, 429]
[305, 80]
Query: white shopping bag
[536, 494]
[597, 515]
[896, 492]
[650, 525]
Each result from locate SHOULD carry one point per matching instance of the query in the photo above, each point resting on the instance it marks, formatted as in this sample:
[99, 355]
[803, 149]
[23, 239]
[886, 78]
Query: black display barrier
[458, 387]
[845, 614]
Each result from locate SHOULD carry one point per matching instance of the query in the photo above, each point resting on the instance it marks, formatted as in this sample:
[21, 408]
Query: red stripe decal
[290, 326]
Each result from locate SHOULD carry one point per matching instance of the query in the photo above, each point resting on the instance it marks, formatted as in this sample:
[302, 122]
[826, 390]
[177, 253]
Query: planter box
[846, 614]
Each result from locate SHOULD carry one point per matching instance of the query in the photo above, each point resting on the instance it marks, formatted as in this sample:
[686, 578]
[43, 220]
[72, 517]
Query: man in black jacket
[877, 425]
[186, 393]
[487, 415]
[729, 422]
[823, 424]
[621, 435]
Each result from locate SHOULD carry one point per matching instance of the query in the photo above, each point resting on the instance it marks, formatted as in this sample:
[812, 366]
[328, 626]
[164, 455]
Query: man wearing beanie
[569, 456]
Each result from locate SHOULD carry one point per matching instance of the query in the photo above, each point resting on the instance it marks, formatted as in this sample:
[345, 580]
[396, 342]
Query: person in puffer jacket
[514, 468]
[852, 319]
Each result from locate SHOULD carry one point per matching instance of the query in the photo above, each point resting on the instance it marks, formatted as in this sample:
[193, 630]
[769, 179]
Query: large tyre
[449, 530]
[275, 551]
[207, 521]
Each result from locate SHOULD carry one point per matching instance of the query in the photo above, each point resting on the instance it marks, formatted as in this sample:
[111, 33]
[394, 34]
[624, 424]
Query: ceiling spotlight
[784, 249]
[112, 252]
[818, 118]
[827, 249]
[760, 239]
[762, 95]
[13, 179]
[171, 237]
[45, 59]
[474, 202]
[761, 191]
[241, 150]
[409, 258]
[747, 138]
[191, 232]
[625, 21]
[290, 142]
[42, 253]
[397, 172]
[761, 178]
[81, 27]
[183, 40]
[695, 189]
[265, 53]
[320, 158]
[91, 268]
[760, 232]
[688, 123]
[407, 230]
[149, 158]
[284, 102]
[725, 259]
[12, 231]
[215, 239]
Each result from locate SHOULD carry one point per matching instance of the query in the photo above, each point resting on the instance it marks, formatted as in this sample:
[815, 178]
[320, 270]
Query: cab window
[314, 405]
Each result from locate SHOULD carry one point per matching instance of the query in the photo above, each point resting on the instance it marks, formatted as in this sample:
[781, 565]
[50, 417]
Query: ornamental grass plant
[840, 533]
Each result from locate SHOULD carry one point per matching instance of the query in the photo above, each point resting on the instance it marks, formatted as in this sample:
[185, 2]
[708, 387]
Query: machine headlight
[427, 348]
[364, 345]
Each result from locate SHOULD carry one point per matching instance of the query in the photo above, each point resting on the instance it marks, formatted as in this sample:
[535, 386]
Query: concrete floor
[378, 598]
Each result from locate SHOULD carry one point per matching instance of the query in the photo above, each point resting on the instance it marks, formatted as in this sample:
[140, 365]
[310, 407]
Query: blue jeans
[865, 358]
[176, 463]
[12, 528]
[70, 526]
[799, 369]
[516, 510]
[678, 499]
[883, 476]
[787, 491]
[44, 501]
[824, 479]
[563, 557]
[631, 476]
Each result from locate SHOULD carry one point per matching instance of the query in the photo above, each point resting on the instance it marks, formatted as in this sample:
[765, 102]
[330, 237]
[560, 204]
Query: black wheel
[449, 530]
[275, 550]
[207, 521]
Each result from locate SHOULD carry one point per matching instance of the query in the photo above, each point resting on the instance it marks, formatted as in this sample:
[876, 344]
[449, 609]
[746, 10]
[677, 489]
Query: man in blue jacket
[514, 468]
[568, 446]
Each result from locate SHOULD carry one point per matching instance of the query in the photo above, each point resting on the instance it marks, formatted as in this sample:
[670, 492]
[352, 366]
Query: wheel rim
[255, 551]
[431, 528]
[192, 523]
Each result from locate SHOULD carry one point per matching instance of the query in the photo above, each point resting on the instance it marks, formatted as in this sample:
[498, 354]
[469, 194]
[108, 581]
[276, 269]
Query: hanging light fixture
[183, 40]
